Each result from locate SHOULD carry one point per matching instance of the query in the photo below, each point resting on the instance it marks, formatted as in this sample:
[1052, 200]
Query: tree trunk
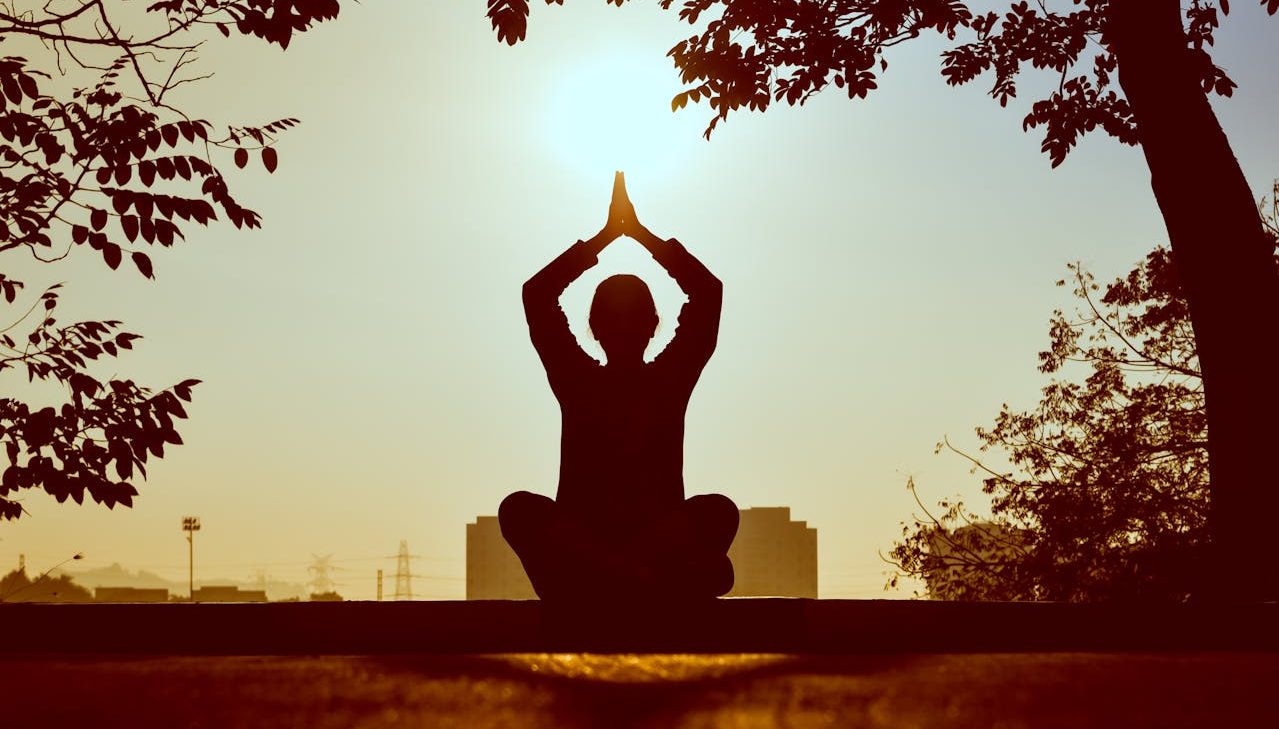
[1227, 269]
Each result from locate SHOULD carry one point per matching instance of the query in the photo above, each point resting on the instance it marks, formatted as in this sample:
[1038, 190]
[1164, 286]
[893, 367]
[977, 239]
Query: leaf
[28, 86]
[143, 204]
[509, 18]
[241, 157]
[164, 231]
[269, 159]
[129, 224]
[112, 255]
[82, 383]
[79, 234]
[183, 389]
[98, 219]
[165, 168]
[11, 89]
[123, 457]
[143, 262]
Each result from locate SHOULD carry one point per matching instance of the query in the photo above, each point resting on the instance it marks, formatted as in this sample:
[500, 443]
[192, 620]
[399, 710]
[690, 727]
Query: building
[493, 572]
[772, 556]
[227, 593]
[130, 594]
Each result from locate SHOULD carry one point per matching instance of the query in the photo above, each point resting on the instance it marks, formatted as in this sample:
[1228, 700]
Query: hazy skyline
[888, 269]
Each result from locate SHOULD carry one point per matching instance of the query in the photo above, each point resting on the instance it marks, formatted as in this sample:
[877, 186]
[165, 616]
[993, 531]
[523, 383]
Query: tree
[747, 54]
[1110, 495]
[18, 587]
[97, 154]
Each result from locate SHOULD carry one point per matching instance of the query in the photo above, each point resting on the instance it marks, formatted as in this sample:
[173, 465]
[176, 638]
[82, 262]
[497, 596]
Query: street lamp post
[191, 525]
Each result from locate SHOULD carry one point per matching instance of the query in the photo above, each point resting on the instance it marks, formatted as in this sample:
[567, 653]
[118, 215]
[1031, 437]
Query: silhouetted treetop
[96, 154]
[1107, 497]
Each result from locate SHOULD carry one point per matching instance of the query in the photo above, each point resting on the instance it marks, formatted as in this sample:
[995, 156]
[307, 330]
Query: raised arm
[698, 329]
[547, 324]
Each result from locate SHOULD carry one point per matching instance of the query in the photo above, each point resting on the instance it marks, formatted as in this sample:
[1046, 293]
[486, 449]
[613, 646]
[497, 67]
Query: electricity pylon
[321, 583]
[403, 575]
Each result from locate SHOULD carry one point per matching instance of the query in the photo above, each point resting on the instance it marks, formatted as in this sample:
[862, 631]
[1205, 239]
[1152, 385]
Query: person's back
[622, 428]
[622, 438]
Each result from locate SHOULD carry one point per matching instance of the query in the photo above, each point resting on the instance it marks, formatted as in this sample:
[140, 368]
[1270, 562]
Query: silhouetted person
[620, 525]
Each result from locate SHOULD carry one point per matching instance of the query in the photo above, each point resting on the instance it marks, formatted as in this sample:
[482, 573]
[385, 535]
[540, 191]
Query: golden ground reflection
[659, 691]
[640, 668]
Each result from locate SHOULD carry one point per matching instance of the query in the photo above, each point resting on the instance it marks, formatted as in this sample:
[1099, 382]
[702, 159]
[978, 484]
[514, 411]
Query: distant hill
[117, 576]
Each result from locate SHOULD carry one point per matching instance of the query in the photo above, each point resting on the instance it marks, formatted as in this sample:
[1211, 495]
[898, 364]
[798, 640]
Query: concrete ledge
[723, 626]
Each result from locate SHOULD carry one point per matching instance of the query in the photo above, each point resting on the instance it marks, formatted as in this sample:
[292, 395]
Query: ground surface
[619, 691]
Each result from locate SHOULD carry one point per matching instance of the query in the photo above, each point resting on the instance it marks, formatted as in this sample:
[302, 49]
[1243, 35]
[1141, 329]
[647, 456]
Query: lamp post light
[191, 525]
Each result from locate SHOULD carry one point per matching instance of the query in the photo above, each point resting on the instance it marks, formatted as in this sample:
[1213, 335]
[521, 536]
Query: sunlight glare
[614, 113]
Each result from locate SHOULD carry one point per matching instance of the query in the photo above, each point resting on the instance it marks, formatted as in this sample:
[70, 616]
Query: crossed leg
[682, 553]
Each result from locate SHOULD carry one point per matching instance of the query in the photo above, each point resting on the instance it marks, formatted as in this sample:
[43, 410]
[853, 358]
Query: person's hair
[623, 305]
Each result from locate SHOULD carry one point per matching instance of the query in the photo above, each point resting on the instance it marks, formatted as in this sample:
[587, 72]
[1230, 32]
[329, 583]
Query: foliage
[747, 54]
[1111, 492]
[1110, 495]
[18, 587]
[95, 154]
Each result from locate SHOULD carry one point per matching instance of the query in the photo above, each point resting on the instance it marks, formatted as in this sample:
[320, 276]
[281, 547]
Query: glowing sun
[613, 112]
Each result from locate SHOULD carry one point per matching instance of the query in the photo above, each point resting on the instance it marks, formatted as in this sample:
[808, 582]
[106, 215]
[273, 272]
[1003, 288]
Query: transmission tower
[403, 575]
[321, 583]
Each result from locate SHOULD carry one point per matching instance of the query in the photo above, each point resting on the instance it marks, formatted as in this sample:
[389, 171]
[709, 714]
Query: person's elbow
[712, 288]
[714, 285]
[532, 292]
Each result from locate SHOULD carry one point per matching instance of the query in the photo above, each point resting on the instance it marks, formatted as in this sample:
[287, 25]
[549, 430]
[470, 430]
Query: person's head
[623, 317]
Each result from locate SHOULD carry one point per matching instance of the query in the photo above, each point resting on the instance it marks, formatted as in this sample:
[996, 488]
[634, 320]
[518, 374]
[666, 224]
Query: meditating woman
[620, 525]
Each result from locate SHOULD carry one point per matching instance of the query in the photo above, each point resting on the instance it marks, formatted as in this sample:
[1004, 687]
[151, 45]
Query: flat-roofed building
[130, 594]
[772, 556]
[493, 571]
[227, 593]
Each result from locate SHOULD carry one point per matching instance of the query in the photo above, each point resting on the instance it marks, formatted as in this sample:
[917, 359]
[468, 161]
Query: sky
[888, 268]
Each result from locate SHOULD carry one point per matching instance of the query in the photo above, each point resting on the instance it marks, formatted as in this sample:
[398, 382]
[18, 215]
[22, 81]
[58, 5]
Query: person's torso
[622, 442]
